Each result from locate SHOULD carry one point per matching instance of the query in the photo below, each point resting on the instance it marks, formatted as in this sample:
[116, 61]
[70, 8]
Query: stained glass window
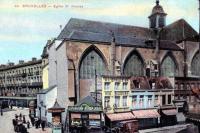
[195, 66]
[91, 61]
[134, 66]
[168, 67]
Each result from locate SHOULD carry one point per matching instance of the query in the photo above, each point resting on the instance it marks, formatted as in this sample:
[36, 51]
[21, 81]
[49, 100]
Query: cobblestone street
[6, 125]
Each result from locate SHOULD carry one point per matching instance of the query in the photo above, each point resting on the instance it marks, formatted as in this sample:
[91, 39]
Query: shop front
[85, 116]
[147, 118]
[168, 116]
[124, 122]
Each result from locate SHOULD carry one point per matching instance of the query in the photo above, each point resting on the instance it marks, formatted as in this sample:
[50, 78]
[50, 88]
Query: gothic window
[91, 61]
[195, 65]
[168, 67]
[134, 66]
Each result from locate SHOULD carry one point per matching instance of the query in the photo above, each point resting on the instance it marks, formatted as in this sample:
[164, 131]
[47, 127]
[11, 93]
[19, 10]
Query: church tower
[157, 19]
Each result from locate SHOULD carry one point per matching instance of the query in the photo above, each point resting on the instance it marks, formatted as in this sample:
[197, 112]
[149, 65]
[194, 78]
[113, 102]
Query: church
[85, 50]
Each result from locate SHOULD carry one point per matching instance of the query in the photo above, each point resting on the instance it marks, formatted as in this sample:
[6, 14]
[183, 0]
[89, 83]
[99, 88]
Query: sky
[25, 26]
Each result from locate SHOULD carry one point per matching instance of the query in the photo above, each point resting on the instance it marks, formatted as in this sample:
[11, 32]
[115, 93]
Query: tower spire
[157, 2]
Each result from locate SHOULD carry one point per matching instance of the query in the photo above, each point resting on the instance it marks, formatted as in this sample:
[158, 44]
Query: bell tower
[157, 19]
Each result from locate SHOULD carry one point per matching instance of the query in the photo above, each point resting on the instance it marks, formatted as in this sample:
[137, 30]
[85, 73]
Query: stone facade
[85, 49]
[24, 78]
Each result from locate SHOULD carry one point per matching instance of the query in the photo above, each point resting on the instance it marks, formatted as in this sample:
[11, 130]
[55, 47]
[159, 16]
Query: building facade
[115, 93]
[21, 80]
[88, 49]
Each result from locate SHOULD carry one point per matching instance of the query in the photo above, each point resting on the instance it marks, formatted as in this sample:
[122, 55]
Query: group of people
[38, 122]
[19, 123]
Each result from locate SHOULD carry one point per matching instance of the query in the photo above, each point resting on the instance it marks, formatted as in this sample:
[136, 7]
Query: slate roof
[89, 100]
[177, 31]
[56, 106]
[75, 24]
[126, 35]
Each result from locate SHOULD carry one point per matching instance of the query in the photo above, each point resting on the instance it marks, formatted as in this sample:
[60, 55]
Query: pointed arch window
[168, 67]
[134, 65]
[195, 65]
[91, 61]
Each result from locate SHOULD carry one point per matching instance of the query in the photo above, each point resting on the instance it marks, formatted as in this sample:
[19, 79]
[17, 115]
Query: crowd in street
[21, 125]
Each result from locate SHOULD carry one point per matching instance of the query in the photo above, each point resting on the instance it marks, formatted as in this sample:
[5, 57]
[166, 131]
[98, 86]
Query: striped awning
[120, 116]
[170, 112]
[141, 114]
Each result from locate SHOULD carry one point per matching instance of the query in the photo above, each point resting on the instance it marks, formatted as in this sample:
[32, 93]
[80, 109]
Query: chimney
[11, 64]
[34, 59]
[21, 61]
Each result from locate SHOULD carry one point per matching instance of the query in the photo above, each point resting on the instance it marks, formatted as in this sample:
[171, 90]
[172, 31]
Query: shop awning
[170, 112]
[94, 116]
[75, 116]
[141, 114]
[120, 116]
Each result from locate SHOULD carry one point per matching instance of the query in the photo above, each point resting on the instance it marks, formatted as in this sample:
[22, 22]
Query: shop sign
[84, 108]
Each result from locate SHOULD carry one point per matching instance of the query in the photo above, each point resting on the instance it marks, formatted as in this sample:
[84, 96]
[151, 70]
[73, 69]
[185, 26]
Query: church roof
[126, 35]
[97, 27]
[177, 31]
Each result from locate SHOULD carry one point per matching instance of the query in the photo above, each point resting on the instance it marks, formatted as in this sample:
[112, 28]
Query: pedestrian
[32, 121]
[43, 123]
[28, 124]
[36, 123]
[20, 116]
[16, 116]
[11, 105]
[1, 112]
[24, 119]
[14, 124]
[24, 130]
